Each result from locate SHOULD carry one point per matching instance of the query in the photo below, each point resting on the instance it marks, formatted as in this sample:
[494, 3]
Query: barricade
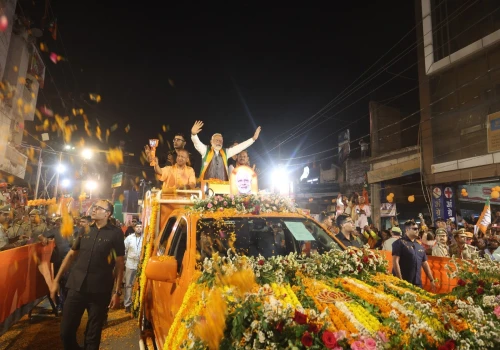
[437, 265]
[24, 276]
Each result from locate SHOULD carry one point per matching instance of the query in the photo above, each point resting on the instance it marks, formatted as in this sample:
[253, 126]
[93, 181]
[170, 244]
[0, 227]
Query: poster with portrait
[243, 180]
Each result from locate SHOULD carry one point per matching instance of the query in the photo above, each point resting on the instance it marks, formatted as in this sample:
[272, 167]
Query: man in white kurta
[133, 246]
[214, 159]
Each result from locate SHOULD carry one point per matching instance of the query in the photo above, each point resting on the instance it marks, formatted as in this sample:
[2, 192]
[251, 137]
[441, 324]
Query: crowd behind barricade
[415, 240]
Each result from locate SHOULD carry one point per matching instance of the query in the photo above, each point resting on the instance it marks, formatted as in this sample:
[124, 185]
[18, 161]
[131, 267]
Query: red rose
[307, 339]
[481, 283]
[256, 210]
[461, 282]
[480, 291]
[449, 345]
[261, 262]
[360, 268]
[329, 340]
[313, 328]
[300, 318]
[279, 326]
[365, 259]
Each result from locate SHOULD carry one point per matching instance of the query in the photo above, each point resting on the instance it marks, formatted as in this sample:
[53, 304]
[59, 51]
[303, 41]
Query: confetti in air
[95, 97]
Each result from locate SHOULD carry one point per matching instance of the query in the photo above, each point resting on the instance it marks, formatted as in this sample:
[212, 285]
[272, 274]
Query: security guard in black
[93, 270]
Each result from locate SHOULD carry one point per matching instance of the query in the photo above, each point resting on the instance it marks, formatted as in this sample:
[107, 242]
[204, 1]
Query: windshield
[261, 236]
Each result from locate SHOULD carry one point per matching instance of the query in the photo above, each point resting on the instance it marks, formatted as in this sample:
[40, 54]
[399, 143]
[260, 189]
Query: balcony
[14, 162]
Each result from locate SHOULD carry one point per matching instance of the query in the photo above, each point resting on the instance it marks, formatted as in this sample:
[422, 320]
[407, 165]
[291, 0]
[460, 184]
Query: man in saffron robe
[214, 159]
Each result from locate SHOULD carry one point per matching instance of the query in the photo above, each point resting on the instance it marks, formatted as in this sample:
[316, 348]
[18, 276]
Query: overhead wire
[489, 71]
[384, 67]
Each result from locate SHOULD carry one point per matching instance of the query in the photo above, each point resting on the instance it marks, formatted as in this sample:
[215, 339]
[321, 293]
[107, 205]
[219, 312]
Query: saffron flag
[485, 219]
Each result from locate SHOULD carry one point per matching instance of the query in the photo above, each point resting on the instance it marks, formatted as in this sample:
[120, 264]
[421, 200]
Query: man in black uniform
[409, 257]
[91, 280]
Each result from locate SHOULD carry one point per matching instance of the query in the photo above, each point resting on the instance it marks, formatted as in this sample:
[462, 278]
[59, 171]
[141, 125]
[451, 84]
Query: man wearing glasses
[346, 234]
[91, 279]
[409, 257]
[179, 142]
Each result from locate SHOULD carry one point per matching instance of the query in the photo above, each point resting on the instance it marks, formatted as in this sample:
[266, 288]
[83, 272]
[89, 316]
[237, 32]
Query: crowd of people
[413, 241]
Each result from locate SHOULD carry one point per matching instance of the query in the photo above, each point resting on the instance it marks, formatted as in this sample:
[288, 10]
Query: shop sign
[494, 132]
[478, 193]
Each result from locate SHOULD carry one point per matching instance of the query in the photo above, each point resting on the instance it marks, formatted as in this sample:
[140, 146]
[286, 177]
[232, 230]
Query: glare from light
[61, 168]
[65, 183]
[87, 153]
[91, 185]
[67, 147]
[280, 181]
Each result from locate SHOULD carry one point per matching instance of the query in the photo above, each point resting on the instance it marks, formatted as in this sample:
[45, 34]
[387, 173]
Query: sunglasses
[177, 139]
[97, 207]
[414, 228]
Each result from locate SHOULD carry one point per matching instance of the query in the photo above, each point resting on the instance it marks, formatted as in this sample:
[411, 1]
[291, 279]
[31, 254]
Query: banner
[388, 210]
[344, 146]
[449, 203]
[394, 171]
[24, 274]
[437, 202]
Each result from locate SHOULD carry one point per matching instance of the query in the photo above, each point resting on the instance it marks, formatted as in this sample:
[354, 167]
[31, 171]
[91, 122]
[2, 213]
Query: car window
[179, 243]
[261, 236]
[162, 246]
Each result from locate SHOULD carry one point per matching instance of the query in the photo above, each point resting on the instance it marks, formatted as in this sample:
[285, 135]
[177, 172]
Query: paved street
[42, 331]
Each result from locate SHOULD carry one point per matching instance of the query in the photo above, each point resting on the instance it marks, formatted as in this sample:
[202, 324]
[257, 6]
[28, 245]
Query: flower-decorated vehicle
[252, 272]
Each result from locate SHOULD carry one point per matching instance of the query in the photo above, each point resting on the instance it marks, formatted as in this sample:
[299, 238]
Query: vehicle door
[167, 297]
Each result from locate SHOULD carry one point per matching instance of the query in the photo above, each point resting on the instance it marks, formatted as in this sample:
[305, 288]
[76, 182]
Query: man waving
[214, 159]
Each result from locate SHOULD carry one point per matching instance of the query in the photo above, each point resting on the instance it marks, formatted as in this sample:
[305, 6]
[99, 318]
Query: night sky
[234, 68]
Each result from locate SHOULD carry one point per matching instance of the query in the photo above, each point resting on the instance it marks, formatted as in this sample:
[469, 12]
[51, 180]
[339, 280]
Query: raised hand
[257, 132]
[196, 127]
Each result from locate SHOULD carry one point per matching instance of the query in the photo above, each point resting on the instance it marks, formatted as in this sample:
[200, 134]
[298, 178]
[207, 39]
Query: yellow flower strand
[189, 298]
[364, 317]
[148, 249]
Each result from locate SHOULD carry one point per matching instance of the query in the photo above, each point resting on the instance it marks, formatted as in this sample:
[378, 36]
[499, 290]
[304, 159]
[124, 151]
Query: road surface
[42, 331]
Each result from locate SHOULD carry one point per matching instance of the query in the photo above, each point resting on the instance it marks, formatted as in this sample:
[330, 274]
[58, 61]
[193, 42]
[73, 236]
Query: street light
[87, 153]
[61, 168]
[90, 185]
[279, 179]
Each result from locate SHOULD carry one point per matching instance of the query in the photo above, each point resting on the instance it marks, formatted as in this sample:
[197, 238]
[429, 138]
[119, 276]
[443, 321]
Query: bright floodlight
[91, 185]
[61, 168]
[280, 181]
[65, 183]
[67, 147]
[87, 153]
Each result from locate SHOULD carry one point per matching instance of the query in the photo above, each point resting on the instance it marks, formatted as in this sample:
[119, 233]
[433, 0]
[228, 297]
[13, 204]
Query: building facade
[21, 72]
[459, 77]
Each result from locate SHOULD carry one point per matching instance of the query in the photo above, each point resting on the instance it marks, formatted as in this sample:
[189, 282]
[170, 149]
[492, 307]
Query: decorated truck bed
[230, 273]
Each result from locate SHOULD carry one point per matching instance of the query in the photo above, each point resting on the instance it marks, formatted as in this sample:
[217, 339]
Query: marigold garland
[147, 249]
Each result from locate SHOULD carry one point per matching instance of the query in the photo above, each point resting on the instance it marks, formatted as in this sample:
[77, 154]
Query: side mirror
[162, 269]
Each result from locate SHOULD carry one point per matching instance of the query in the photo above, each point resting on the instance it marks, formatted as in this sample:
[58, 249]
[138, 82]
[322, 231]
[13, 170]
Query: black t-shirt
[93, 270]
[353, 242]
